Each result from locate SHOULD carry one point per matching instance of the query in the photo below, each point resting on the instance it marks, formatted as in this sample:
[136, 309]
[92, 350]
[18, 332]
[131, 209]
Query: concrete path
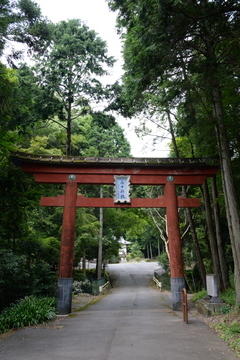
[133, 321]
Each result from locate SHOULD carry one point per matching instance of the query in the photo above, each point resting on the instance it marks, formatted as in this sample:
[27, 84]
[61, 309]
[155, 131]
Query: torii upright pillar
[65, 280]
[175, 247]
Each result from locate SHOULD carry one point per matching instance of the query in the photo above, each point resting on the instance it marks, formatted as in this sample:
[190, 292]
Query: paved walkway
[133, 321]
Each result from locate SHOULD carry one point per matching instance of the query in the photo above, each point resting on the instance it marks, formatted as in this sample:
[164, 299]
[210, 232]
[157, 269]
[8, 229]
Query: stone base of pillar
[64, 296]
[177, 284]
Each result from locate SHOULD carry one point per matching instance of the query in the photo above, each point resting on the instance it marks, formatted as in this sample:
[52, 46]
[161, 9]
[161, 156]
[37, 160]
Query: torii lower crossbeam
[73, 171]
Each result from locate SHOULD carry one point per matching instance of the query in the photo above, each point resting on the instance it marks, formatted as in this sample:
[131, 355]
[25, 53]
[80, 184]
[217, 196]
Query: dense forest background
[181, 62]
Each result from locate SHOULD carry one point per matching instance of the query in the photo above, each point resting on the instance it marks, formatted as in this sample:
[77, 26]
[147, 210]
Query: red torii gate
[72, 171]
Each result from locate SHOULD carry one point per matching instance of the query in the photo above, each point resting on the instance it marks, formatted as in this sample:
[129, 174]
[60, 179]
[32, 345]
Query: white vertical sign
[122, 183]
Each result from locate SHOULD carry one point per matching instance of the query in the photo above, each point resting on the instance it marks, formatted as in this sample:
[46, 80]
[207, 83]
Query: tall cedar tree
[71, 69]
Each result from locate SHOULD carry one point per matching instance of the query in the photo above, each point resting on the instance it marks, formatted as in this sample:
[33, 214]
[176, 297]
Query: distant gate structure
[120, 172]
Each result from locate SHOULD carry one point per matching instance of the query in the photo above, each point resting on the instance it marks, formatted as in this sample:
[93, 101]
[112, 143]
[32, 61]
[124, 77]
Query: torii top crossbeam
[99, 170]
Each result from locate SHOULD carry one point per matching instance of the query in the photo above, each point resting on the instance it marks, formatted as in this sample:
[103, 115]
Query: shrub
[19, 278]
[163, 260]
[80, 287]
[91, 273]
[193, 279]
[26, 312]
[78, 275]
[15, 280]
[44, 280]
[235, 327]
[165, 280]
[228, 296]
[225, 309]
[199, 295]
[128, 257]
[114, 260]
[135, 250]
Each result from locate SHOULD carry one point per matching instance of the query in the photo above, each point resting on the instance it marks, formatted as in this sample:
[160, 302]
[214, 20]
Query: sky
[96, 15]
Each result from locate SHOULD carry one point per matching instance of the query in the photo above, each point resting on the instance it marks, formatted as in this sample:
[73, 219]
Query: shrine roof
[131, 161]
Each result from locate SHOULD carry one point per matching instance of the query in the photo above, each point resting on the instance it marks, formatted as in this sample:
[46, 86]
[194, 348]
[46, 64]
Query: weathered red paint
[174, 239]
[68, 230]
[116, 169]
[102, 171]
[98, 179]
[82, 201]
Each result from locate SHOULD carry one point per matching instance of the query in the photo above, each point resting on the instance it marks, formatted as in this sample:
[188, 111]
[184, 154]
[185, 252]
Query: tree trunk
[221, 252]
[164, 238]
[69, 130]
[84, 264]
[189, 214]
[212, 237]
[148, 256]
[196, 243]
[172, 134]
[232, 209]
[150, 248]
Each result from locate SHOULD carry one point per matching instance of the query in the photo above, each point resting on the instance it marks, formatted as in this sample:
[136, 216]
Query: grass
[229, 297]
[227, 324]
[27, 312]
[199, 295]
[228, 328]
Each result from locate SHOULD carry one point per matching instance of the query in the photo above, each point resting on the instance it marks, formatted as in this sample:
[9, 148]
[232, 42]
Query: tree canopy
[22, 22]
[69, 72]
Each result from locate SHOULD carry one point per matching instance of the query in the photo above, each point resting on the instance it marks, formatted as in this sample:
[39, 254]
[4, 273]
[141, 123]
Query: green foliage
[234, 328]
[17, 107]
[83, 286]
[135, 251]
[27, 312]
[78, 275]
[228, 296]
[229, 330]
[114, 259]
[193, 279]
[44, 279]
[14, 278]
[50, 248]
[19, 278]
[22, 22]
[165, 280]
[199, 295]
[91, 273]
[231, 279]
[225, 309]
[87, 236]
[128, 257]
[106, 137]
[71, 69]
[163, 260]
[174, 68]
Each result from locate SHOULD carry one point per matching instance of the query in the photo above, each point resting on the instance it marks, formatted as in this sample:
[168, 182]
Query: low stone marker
[211, 303]
[212, 288]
